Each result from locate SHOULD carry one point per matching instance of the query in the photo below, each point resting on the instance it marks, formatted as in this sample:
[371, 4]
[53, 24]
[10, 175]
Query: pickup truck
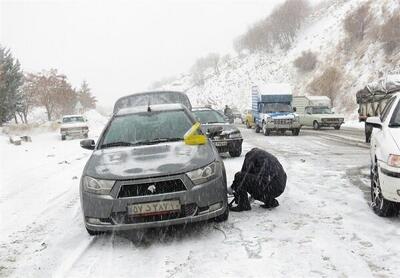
[316, 112]
[73, 125]
[272, 109]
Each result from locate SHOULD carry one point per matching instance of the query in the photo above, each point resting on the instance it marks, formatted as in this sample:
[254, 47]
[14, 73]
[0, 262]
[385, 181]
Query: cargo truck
[373, 98]
[272, 109]
[316, 112]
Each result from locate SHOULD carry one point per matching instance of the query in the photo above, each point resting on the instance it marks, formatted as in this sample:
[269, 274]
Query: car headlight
[97, 186]
[204, 174]
[394, 160]
[235, 135]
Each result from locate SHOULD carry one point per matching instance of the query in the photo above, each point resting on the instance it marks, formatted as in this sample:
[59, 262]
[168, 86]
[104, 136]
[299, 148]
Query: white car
[74, 125]
[385, 159]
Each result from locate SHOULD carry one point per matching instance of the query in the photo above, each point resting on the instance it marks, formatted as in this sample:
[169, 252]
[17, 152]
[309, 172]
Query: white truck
[316, 112]
[272, 109]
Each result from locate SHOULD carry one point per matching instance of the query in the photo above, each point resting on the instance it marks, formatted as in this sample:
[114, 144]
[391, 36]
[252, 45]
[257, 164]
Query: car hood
[281, 115]
[395, 133]
[148, 161]
[73, 125]
[226, 128]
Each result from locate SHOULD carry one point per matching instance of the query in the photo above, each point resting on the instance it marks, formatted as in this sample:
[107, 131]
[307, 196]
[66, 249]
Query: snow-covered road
[324, 226]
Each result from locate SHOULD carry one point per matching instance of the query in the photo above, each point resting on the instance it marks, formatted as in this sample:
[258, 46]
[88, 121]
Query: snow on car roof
[274, 88]
[156, 107]
[70, 116]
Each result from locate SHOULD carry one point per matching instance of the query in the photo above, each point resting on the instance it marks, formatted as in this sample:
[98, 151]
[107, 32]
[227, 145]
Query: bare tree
[306, 62]
[356, 23]
[390, 33]
[327, 84]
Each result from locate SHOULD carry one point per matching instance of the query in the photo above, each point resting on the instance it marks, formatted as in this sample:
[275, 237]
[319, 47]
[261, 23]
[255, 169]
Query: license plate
[221, 144]
[154, 208]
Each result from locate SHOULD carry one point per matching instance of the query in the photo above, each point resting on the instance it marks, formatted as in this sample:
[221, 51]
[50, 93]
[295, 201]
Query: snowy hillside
[323, 33]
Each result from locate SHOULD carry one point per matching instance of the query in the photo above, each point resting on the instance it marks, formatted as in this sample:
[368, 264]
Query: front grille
[333, 120]
[283, 121]
[124, 218]
[151, 188]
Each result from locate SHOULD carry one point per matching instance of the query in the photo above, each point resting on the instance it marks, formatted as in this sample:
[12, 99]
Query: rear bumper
[390, 182]
[198, 203]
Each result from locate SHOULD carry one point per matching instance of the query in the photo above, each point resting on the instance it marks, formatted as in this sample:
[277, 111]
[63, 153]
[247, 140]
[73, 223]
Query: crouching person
[262, 176]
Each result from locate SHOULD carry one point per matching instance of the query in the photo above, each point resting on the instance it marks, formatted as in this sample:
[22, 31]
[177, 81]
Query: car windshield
[209, 116]
[147, 128]
[276, 107]
[321, 110]
[75, 119]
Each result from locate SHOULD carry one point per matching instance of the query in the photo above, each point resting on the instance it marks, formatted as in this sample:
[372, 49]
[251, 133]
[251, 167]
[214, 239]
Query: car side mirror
[88, 144]
[309, 113]
[294, 109]
[374, 122]
[59, 122]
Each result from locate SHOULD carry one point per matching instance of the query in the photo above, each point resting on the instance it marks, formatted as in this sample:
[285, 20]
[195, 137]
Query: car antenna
[148, 107]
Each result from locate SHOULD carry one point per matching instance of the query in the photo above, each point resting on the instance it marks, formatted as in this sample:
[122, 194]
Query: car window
[276, 107]
[209, 116]
[147, 126]
[395, 120]
[321, 110]
[73, 119]
[386, 110]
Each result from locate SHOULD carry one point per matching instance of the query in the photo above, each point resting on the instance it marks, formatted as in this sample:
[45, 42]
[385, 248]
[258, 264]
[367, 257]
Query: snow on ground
[324, 226]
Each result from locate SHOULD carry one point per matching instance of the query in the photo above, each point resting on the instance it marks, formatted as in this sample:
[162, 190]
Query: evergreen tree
[11, 79]
[85, 96]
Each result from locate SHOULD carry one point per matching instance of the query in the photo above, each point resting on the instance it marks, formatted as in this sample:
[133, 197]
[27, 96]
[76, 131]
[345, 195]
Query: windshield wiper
[394, 125]
[161, 140]
[116, 144]
[214, 123]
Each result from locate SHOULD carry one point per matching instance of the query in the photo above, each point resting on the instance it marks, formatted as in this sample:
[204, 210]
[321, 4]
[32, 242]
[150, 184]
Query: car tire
[265, 130]
[296, 131]
[337, 127]
[381, 206]
[257, 129]
[63, 137]
[235, 150]
[93, 233]
[316, 125]
[223, 217]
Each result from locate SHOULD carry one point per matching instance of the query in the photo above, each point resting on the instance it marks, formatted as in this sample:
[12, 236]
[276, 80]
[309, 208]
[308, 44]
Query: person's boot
[239, 208]
[270, 204]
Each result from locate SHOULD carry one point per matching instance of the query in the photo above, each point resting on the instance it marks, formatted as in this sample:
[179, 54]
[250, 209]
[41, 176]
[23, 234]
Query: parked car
[152, 167]
[73, 125]
[236, 114]
[385, 159]
[226, 137]
[316, 112]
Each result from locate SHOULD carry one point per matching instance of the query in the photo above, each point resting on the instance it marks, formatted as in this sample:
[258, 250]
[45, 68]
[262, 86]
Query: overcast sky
[121, 47]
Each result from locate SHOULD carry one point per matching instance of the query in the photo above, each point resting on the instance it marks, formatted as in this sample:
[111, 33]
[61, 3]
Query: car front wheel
[63, 137]
[223, 217]
[295, 132]
[235, 150]
[337, 127]
[380, 205]
[316, 125]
